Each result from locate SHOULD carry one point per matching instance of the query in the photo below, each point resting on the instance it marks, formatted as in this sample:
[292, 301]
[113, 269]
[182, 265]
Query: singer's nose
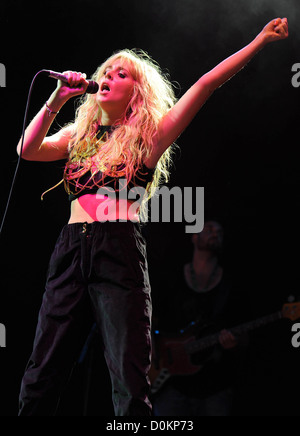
[108, 75]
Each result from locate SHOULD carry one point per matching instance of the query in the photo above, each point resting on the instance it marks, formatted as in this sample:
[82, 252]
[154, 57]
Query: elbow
[22, 153]
[18, 150]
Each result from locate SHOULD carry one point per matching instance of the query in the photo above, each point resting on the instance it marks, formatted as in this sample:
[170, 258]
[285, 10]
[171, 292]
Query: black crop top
[89, 183]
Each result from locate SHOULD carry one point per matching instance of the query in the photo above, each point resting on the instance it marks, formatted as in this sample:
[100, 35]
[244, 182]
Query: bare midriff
[93, 207]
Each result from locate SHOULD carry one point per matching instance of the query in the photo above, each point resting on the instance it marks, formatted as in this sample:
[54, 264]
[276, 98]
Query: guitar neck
[252, 325]
[210, 341]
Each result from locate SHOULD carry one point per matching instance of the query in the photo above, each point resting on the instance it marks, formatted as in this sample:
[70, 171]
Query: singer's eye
[122, 75]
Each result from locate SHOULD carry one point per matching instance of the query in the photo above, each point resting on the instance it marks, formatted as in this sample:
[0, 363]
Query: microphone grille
[92, 88]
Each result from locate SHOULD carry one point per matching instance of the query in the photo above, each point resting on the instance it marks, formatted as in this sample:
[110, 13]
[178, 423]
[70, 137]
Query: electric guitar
[172, 355]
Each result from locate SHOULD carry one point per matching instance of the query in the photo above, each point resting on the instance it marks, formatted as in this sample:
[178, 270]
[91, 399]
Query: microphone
[92, 88]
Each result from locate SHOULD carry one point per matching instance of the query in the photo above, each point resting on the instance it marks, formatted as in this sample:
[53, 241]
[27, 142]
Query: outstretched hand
[276, 30]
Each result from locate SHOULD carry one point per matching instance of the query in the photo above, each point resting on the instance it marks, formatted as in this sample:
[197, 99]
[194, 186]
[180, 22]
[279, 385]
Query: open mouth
[105, 87]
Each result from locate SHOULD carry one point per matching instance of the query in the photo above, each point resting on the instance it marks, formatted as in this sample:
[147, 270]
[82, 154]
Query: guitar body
[170, 358]
[173, 356]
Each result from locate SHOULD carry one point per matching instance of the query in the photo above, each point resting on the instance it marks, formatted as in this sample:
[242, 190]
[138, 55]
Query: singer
[98, 270]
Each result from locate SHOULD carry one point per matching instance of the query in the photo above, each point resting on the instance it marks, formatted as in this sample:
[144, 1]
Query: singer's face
[115, 87]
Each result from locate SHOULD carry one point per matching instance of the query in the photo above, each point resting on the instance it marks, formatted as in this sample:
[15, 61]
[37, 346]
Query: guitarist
[201, 295]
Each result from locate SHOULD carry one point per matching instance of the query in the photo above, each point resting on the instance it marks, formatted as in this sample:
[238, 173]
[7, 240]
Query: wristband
[50, 112]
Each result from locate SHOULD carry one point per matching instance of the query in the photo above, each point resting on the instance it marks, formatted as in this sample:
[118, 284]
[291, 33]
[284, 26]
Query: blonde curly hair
[131, 141]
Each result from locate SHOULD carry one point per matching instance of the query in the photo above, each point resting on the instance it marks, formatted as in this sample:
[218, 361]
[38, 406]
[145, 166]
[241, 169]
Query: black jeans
[97, 273]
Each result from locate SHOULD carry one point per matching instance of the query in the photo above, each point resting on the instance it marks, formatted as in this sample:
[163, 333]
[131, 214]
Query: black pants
[97, 273]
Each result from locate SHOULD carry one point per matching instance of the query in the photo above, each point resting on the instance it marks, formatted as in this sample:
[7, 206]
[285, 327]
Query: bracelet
[50, 112]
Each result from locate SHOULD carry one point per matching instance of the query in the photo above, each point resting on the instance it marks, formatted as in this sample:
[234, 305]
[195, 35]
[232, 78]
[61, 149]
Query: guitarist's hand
[227, 340]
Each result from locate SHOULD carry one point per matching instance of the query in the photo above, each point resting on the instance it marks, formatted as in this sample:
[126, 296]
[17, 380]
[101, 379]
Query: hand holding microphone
[72, 83]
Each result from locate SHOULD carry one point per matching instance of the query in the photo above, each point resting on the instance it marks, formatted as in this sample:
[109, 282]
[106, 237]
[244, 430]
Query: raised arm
[180, 116]
[37, 146]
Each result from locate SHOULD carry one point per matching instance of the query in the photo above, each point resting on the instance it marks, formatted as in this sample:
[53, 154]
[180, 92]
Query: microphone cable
[20, 155]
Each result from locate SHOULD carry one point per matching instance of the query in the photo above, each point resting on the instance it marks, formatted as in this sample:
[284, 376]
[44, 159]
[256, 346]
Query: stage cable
[21, 150]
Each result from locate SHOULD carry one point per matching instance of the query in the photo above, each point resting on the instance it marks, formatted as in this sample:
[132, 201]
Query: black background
[242, 148]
